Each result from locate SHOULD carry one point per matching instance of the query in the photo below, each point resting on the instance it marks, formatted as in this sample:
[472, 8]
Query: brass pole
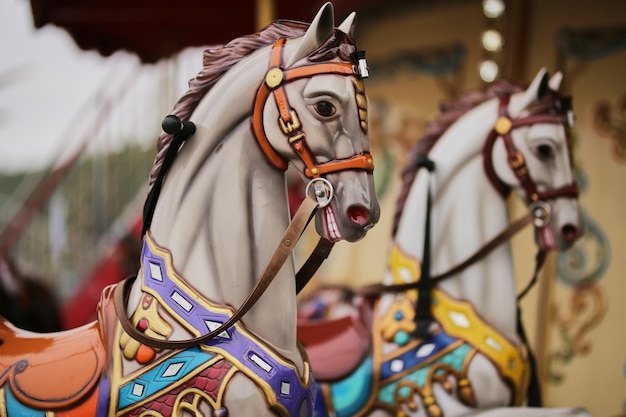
[544, 319]
[265, 13]
[517, 39]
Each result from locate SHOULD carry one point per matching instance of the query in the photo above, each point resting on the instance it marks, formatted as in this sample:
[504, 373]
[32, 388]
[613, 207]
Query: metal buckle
[323, 191]
[518, 164]
[541, 213]
[290, 126]
[517, 160]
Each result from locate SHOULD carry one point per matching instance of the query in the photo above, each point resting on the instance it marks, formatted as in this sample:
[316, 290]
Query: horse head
[534, 158]
[311, 111]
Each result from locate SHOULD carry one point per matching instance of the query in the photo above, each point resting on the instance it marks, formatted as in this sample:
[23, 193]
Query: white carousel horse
[212, 225]
[462, 354]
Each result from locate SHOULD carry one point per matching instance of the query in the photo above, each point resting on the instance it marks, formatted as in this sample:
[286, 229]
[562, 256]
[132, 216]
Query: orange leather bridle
[275, 80]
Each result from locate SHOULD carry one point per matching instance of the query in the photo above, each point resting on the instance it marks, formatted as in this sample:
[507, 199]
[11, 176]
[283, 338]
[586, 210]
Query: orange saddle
[52, 370]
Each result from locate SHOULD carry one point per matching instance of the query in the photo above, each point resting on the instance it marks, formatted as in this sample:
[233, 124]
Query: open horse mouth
[548, 240]
[330, 224]
[361, 220]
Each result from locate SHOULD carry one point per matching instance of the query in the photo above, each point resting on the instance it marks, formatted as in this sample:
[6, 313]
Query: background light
[493, 8]
[492, 40]
[488, 70]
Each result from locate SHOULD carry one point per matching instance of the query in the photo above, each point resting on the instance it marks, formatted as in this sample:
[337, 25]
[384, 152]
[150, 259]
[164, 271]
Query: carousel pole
[506, 42]
[265, 13]
[517, 35]
[515, 68]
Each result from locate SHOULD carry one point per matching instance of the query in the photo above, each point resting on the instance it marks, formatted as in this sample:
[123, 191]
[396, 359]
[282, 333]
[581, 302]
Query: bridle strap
[503, 128]
[533, 395]
[181, 131]
[423, 315]
[275, 80]
[317, 257]
[301, 219]
[505, 235]
[540, 259]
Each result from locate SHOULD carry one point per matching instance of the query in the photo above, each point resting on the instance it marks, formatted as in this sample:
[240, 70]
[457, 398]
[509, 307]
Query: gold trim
[227, 377]
[179, 407]
[509, 360]
[3, 402]
[428, 361]
[155, 364]
[328, 399]
[400, 350]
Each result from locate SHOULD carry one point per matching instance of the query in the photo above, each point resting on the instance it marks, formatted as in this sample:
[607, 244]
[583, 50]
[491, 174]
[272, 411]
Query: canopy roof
[155, 29]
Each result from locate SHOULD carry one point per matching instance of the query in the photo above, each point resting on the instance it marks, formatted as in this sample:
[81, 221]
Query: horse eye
[544, 151]
[325, 109]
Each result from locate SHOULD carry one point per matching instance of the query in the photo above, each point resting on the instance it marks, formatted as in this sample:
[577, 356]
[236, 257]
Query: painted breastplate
[183, 378]
[410, 367]
[459, 320]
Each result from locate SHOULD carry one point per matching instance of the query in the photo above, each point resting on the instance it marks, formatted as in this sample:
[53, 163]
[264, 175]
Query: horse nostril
[358, 215]
[569, 232]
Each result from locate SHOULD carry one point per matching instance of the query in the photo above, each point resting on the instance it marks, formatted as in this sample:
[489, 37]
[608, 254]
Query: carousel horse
[446, 343]
[175, 340]
[26, 301]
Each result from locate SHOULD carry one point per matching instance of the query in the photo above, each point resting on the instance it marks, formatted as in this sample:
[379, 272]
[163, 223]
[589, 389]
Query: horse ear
[321, 28]
[347, 26]
[555, 81]
[534, 92]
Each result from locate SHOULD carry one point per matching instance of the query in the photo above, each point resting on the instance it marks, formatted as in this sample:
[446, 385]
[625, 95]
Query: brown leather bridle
[502, 129]
[275, 80]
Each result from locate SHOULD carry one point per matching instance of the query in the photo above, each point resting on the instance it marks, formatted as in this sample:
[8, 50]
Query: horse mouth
[330, 225]
[547, 239]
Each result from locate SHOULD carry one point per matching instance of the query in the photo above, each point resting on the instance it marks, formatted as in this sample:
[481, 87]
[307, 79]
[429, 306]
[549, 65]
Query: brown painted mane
[449, 113]
[216, 62]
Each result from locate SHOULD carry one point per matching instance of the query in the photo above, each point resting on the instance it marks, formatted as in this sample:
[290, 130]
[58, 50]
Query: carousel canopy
[155, 29]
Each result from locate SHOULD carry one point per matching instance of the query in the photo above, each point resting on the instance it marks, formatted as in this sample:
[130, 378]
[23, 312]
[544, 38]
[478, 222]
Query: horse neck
[222, 211]
[466, 213]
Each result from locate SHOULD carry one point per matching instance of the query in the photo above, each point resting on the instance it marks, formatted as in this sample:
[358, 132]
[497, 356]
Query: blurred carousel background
[71, 226]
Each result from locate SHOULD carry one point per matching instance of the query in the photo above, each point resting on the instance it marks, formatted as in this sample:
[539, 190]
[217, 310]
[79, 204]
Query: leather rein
[508, 233]
[275, 80]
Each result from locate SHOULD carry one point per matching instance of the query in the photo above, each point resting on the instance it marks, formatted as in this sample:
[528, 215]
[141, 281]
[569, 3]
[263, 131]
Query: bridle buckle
[292, 125]
[518, 164]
